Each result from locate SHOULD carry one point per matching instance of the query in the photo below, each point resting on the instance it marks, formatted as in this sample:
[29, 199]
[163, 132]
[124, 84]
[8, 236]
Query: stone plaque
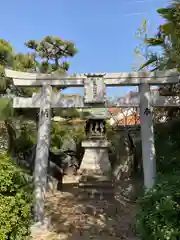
[94, 90]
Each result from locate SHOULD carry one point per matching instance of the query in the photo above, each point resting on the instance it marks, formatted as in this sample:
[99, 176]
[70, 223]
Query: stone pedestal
[95, 160]
[95, 170]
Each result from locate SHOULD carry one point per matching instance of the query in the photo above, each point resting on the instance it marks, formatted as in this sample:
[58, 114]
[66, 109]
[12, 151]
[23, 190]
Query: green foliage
[159, 213]
[46, 56]
[159, 208]
[15, 201]
[142, 51]
[6, 53]
[166, 48]
[167, 38]
[67, 113]
[26, 139]
[6, 60]
[121, 149]
[24, 62]
[60, 132]
[51, 50]
[6, 109]
[167, 142]
[116, 148]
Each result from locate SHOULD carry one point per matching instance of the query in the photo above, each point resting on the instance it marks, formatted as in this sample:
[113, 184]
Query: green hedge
[159, 215]
[15, 201]
[159, 208]
[167, 142]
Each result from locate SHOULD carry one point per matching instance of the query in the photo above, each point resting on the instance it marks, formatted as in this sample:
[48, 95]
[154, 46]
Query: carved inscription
[44, 113]
[147, 111]
[94, 87]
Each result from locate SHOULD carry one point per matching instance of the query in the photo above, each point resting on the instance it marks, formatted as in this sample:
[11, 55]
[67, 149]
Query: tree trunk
[132, 149]
[11, 137]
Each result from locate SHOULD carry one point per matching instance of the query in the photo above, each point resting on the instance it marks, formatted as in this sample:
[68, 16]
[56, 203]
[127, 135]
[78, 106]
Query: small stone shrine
[95, 167]
[96, 125]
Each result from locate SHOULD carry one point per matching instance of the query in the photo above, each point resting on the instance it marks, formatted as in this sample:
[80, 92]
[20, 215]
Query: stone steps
[96, 189]
[96, 184]
[88, 187]
[70, 179]
[95, 194]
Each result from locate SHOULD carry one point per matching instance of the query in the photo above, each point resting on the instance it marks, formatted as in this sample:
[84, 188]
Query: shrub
[62, 132]
[15, 201]
[167, 141]
[159, 214]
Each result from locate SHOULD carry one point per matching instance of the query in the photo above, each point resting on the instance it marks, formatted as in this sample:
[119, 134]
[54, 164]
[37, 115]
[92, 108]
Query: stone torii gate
[94, 96]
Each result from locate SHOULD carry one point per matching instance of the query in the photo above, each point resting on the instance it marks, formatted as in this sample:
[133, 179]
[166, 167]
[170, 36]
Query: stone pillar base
[39, 228]
[51, 184]
[95, 170]
[95, 160]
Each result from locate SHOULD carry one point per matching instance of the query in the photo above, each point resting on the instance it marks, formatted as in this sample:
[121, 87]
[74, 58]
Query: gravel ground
[75, 219]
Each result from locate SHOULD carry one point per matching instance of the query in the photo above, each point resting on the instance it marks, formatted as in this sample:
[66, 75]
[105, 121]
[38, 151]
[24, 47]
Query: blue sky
[103, 30]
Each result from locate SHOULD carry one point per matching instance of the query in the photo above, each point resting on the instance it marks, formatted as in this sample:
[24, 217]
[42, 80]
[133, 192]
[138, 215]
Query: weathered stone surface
[95, 157]
[110, 79]
[98, 112]
[147, 136]
[38, 228]
[94, 89]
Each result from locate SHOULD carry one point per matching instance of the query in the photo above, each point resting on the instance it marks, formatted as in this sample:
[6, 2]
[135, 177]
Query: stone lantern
[95, 162]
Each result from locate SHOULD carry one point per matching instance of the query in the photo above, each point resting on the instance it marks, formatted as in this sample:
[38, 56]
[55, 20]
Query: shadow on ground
[75, 218]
